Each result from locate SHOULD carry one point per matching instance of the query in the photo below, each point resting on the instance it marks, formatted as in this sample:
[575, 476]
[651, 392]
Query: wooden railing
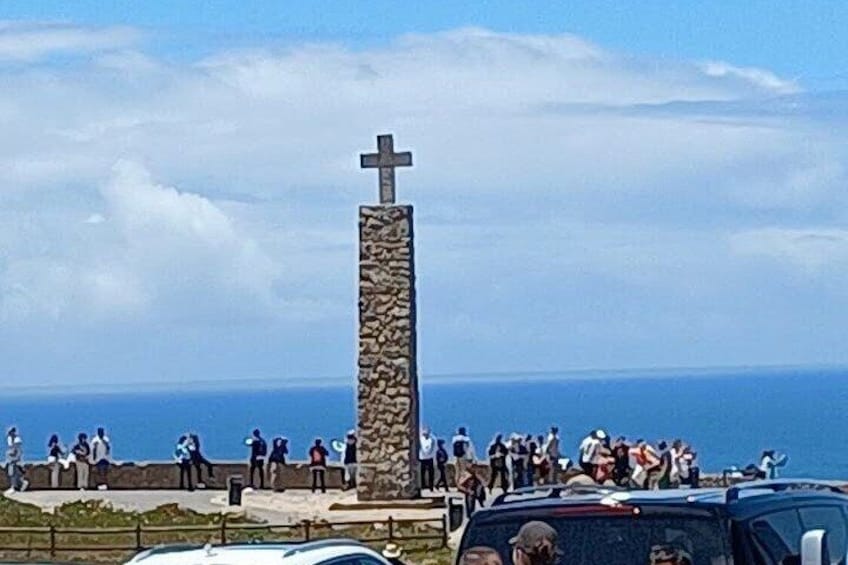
[223, 533]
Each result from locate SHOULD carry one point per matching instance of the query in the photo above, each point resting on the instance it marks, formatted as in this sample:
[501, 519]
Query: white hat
[601, 434]
[392, 551]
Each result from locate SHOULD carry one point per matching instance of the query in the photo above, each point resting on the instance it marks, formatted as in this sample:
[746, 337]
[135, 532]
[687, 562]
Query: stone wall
[388, 417]
[164, 475]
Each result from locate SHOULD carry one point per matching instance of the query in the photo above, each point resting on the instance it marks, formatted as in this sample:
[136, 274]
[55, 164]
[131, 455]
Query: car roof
[738, 501]
[254, 553]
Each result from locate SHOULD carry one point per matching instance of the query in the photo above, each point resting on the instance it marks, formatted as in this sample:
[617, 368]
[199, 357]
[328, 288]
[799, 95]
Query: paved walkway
[282, 508]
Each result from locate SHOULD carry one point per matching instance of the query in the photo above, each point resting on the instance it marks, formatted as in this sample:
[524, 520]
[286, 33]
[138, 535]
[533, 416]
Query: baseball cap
[535, 535]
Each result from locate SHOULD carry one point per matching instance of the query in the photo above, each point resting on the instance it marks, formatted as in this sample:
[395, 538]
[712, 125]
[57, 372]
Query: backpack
[262, 449]
[459, 448]
[441, 456]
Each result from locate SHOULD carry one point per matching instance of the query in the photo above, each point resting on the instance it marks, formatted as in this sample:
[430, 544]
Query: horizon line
[442, 379]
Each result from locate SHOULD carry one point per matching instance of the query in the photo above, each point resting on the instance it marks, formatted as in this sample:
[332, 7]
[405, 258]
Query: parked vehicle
[323, 552]
[780, 522]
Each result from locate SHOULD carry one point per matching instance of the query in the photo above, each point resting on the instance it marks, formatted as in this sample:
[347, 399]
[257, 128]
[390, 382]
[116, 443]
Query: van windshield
[616, 540]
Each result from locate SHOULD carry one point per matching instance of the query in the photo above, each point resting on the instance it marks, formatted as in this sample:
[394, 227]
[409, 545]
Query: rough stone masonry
[388, 410]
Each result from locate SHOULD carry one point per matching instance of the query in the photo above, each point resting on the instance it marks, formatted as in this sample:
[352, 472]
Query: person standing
[518, 454]
[258, 452]
[471, 485]
[349, 460]
[182, 456]
[427, 456]
[442, 465]
[277, 462]
[318, 465]
[532, 459]
[14, 457]
[55, 454]
[199, 461]
[101, 455]
[497, 463]
[462, 452]
[82, 459]
[552, 453]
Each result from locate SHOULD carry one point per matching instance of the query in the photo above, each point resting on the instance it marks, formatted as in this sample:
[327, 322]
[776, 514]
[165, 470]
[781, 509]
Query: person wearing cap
[480, 555]
[349, 460]
[535, 544]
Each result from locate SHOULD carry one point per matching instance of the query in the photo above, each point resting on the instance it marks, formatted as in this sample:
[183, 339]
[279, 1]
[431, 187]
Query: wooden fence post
[444, 531]
[306, 527]
[224, 530]
[52, 540]
[138, 545]
[391, 529]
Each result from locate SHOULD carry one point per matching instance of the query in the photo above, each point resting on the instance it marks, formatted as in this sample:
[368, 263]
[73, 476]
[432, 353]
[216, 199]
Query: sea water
[728, 416]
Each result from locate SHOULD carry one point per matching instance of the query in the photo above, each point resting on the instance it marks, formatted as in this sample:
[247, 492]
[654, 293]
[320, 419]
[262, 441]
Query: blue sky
[597, 185]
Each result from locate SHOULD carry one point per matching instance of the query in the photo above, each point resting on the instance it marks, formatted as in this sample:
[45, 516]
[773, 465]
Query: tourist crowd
[515, 462]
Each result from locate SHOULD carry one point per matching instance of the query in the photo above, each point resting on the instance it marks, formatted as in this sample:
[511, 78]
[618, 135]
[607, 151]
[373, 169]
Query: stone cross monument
[387, 394]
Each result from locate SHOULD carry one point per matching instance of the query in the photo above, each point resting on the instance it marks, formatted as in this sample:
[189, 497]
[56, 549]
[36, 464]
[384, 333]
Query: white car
[329, 552]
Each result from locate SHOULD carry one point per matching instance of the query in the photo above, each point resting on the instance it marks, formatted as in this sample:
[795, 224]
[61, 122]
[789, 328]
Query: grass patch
[94, 537]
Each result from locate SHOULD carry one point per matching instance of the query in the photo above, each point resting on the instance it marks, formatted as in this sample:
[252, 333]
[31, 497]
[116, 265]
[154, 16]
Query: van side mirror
[814, 548]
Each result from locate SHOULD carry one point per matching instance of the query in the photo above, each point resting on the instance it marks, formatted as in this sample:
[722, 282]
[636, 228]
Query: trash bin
[234, 485]
[456, 513]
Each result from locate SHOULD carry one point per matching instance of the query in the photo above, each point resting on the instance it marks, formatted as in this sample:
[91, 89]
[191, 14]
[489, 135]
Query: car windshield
[617, 540]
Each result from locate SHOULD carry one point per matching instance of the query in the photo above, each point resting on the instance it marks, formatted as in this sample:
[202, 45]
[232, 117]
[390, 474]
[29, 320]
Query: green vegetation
[105, 534]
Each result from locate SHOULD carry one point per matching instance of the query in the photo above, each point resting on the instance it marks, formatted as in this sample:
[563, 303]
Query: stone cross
[386, 160]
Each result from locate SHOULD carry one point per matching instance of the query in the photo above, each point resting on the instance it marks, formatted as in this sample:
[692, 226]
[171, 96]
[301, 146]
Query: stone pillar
[388, 378]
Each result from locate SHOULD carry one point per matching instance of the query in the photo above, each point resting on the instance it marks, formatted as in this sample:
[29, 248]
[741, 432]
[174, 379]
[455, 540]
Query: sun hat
[392, 551]
[535, 535]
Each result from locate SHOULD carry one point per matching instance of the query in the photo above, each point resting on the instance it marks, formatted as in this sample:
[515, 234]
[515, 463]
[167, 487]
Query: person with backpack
[471, 485]
[441, 465]
[462, 452]
[497, 463]
[258, 452]
[318, 465]
[518, 454]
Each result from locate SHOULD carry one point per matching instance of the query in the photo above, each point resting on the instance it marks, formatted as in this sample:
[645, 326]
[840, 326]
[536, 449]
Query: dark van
[781, 522]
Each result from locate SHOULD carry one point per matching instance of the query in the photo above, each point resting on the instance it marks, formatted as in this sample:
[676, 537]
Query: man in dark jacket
[258, 451]
[349, 460]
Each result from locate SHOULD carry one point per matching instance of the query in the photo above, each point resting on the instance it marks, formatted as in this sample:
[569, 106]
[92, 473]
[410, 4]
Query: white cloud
[810, 249]
[30, 42]
[557, 184]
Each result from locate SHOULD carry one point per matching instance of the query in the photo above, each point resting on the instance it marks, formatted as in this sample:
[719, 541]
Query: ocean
[729, 416]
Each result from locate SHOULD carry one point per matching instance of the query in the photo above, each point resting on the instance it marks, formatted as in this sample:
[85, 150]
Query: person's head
[440, 442]
[499, 438]
[554, 430]
[535, 544]
[662, 445]
[256, 433]
[278, 441]
[318, 442]
[462, 431]
[768, 453]
[54, 439]
[101, 432]
[528, 437]
[425, 432]
[183, 439]
[641, 443]
[480, 555]
[82, 438]
[620, 440]
[540, 439]
[677, 444]
[12, 432]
